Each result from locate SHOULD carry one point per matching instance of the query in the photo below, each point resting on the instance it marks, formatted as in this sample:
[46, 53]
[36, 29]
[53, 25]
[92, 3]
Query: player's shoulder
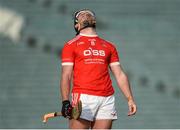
[108, 43]
[73, 40]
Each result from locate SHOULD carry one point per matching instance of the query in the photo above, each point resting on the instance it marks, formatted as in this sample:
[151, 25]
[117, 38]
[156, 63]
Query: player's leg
[89, 108]
[105, 114]
[79, 124]
[102, 124]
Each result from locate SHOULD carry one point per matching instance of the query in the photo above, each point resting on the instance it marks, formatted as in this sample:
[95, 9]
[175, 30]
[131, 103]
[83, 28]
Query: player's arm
[123, 84]
[67, 59]
[65, 85]
[65, 82]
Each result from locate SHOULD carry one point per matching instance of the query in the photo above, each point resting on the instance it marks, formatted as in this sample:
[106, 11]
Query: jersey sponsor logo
[94, 52]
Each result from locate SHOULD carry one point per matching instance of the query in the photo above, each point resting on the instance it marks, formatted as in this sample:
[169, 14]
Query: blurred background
[145, 32]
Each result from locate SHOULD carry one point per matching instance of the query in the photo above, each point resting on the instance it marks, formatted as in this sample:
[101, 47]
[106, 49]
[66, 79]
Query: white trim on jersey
[114, 63]
[87, 35]
[67, 63]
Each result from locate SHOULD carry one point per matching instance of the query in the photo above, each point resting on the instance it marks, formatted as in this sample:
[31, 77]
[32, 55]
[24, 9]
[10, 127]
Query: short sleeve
[114, 59]
[67, 57]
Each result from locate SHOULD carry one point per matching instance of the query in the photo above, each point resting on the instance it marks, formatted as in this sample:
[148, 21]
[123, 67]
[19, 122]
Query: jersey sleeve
[67, 57]
[114, 59]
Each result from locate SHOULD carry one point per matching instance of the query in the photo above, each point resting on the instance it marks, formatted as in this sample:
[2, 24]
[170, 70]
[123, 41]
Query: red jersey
[90, 56]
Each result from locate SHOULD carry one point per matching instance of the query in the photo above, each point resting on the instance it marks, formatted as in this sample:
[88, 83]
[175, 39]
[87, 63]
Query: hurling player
[86, 61]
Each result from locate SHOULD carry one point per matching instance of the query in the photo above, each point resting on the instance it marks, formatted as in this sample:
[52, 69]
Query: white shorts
[96, 107]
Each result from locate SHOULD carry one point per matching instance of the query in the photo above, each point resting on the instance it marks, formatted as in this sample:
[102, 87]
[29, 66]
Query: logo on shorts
[113, 113]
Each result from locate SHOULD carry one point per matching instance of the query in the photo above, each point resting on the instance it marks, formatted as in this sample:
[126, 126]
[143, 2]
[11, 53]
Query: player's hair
[86, 18]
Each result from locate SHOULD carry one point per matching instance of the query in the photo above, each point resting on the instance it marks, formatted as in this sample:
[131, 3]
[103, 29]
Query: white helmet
[86, 18]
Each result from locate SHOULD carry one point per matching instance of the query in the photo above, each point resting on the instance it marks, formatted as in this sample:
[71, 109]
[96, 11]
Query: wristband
[65, 102]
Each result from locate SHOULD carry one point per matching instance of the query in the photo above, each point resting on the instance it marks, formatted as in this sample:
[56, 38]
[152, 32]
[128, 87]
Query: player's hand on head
[132, 108]
[66, 109]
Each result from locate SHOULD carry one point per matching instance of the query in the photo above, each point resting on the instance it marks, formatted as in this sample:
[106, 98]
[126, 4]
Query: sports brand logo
[114, 113]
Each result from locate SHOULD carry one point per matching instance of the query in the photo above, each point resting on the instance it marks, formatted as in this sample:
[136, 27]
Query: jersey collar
[87, 35]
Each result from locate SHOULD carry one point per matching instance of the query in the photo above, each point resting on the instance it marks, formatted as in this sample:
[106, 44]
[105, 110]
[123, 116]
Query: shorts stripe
[75, 98]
